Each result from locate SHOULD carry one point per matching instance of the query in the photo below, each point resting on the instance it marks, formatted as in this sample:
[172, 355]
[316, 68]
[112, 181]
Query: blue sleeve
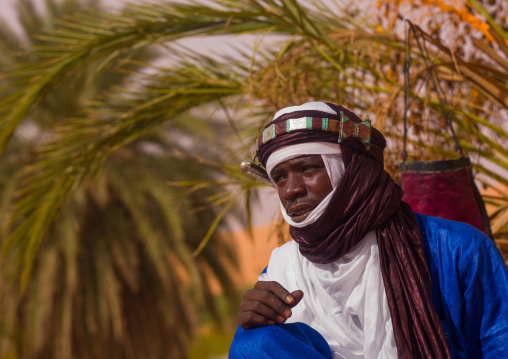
[484, 285]
[469, 288]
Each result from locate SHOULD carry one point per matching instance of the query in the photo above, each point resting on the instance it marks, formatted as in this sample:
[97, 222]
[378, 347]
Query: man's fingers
[268, 299]
[277, 289]
[298, 295]
[249, 320]
[266, 304]
[261, 309]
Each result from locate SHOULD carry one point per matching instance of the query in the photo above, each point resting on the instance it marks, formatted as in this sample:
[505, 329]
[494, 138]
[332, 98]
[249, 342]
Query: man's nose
[294, 187]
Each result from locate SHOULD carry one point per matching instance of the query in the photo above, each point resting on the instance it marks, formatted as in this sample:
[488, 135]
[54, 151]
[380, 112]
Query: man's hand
[266, 304]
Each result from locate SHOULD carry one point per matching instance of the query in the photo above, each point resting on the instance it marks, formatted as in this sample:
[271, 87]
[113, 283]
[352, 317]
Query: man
[364, 277]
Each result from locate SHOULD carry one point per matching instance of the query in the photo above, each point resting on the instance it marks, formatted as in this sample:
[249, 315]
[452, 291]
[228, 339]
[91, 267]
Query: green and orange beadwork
[345, 128]
[352, 129]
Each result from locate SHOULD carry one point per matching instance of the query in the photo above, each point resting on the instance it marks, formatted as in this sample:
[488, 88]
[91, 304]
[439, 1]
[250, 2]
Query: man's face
[302, 183]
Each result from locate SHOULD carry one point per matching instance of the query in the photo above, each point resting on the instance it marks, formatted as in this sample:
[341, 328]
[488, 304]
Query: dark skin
[302, 183]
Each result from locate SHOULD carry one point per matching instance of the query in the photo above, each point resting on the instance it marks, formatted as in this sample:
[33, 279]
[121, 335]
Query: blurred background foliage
[120, 148]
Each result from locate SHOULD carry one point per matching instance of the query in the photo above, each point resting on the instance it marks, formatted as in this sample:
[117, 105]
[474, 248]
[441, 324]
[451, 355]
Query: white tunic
[345, 300]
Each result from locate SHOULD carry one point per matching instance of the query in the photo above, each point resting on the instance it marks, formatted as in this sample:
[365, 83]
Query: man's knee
[279, 341]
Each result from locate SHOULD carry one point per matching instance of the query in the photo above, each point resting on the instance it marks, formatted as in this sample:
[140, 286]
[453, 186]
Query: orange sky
[254, 255]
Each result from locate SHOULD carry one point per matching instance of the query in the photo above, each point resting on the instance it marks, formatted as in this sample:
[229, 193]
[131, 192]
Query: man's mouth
[300, 214]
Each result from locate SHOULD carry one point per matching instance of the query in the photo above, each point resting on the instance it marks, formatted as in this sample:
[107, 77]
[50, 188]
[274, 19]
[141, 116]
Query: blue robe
[469, 292]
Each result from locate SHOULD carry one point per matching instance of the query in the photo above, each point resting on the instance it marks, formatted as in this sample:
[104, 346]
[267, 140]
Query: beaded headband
[345, 127]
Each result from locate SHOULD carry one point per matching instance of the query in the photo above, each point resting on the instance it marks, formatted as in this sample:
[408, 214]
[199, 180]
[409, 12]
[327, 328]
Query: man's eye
[277, 179]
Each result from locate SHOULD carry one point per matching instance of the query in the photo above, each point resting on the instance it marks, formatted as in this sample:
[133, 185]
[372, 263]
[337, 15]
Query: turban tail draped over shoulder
[368, 199]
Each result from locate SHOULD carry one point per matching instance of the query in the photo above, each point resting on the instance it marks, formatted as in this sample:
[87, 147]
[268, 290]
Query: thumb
[298, 295]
